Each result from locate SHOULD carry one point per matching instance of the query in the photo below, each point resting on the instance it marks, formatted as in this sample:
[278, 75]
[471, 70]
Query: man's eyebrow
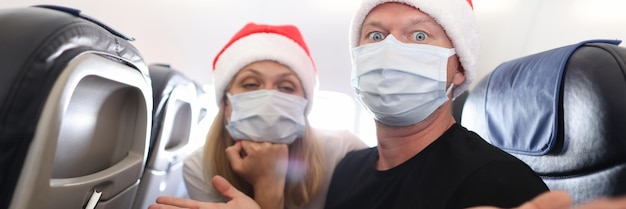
[422, 20]
[371, 24]
[413, 22]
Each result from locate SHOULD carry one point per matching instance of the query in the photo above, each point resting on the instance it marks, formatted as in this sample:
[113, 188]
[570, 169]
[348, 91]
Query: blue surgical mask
[400, 84]
[267, 115]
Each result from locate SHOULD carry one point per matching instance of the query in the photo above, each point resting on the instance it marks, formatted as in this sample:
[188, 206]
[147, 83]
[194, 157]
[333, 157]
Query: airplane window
[336, 110]
[333, 110]
[367, 128]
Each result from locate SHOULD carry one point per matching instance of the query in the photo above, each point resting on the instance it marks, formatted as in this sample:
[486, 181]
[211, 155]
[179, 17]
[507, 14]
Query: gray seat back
[75, 103]
[175, 115]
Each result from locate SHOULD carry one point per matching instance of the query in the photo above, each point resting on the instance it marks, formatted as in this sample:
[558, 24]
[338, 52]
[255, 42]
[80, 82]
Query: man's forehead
[409, 22]
[418, 16]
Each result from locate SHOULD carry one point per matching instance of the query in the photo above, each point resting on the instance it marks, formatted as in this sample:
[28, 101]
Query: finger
[255, 145]
[247, 145]
[177, 202]
[235, 148]
[160, 206]
[234, 157]
[225, 188]
[283, 148]
[549, 200]
[605, 203]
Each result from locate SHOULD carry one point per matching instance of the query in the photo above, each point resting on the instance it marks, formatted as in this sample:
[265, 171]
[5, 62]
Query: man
[424, 159]
[410, 58]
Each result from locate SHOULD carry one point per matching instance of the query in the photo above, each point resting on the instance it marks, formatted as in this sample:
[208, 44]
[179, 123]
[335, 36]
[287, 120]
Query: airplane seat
[562, 112]
[175, 113]
[75, 103]
[206, 114]
[208, 110]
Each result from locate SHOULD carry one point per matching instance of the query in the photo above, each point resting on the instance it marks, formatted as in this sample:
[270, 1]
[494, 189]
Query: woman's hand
[259, 162]
[264, 165]
[238, 200]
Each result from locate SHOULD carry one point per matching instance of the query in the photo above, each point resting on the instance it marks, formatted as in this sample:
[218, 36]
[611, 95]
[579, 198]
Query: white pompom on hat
[455, 16]
[256, 42]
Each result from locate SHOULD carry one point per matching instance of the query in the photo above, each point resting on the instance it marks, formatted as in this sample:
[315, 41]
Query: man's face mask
[267, 115]
[400, 84]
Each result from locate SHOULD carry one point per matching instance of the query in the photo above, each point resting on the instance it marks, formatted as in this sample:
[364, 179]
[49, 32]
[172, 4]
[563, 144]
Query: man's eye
[376, 36]
[420, 36]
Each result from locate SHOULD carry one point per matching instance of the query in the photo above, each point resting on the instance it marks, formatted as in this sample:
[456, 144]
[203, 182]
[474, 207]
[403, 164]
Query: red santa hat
[255, 42]
[455, 16]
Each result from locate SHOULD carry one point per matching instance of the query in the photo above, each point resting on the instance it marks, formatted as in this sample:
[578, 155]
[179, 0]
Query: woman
[260, 140]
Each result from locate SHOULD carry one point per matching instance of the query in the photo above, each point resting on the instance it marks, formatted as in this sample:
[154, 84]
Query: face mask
[267, 115]
[400, 84]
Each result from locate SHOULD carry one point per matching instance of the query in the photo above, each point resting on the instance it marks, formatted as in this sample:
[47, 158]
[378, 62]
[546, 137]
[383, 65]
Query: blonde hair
[304, 153]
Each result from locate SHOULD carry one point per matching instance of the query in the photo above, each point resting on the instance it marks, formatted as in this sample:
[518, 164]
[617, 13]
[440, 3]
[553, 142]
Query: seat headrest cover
[78, 13]
[522, 100]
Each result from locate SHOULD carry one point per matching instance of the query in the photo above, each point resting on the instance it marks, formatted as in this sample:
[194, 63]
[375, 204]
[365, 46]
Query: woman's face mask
[266, 104]
[267, 115]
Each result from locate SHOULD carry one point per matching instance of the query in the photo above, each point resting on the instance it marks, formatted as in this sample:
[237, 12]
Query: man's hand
[562, 200]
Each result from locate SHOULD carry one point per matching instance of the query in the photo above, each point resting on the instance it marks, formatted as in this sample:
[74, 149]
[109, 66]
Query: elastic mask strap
[451, 52]
[449, 89]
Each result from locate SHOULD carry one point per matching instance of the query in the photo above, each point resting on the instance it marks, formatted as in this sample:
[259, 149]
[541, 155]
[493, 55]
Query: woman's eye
[286, 89]
[420, 36]
[376, 36]
[250, 85]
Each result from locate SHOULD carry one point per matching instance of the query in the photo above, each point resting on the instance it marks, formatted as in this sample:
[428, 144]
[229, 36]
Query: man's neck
[398, 144]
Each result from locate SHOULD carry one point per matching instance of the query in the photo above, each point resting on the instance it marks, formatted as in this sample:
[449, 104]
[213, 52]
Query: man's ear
[458, 77]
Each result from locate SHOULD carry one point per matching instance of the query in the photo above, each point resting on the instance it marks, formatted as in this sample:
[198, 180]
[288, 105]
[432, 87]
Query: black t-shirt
[458, 170]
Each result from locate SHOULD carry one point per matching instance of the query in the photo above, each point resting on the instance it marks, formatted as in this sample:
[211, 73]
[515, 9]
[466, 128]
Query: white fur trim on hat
[265, 46]
[455, 16]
